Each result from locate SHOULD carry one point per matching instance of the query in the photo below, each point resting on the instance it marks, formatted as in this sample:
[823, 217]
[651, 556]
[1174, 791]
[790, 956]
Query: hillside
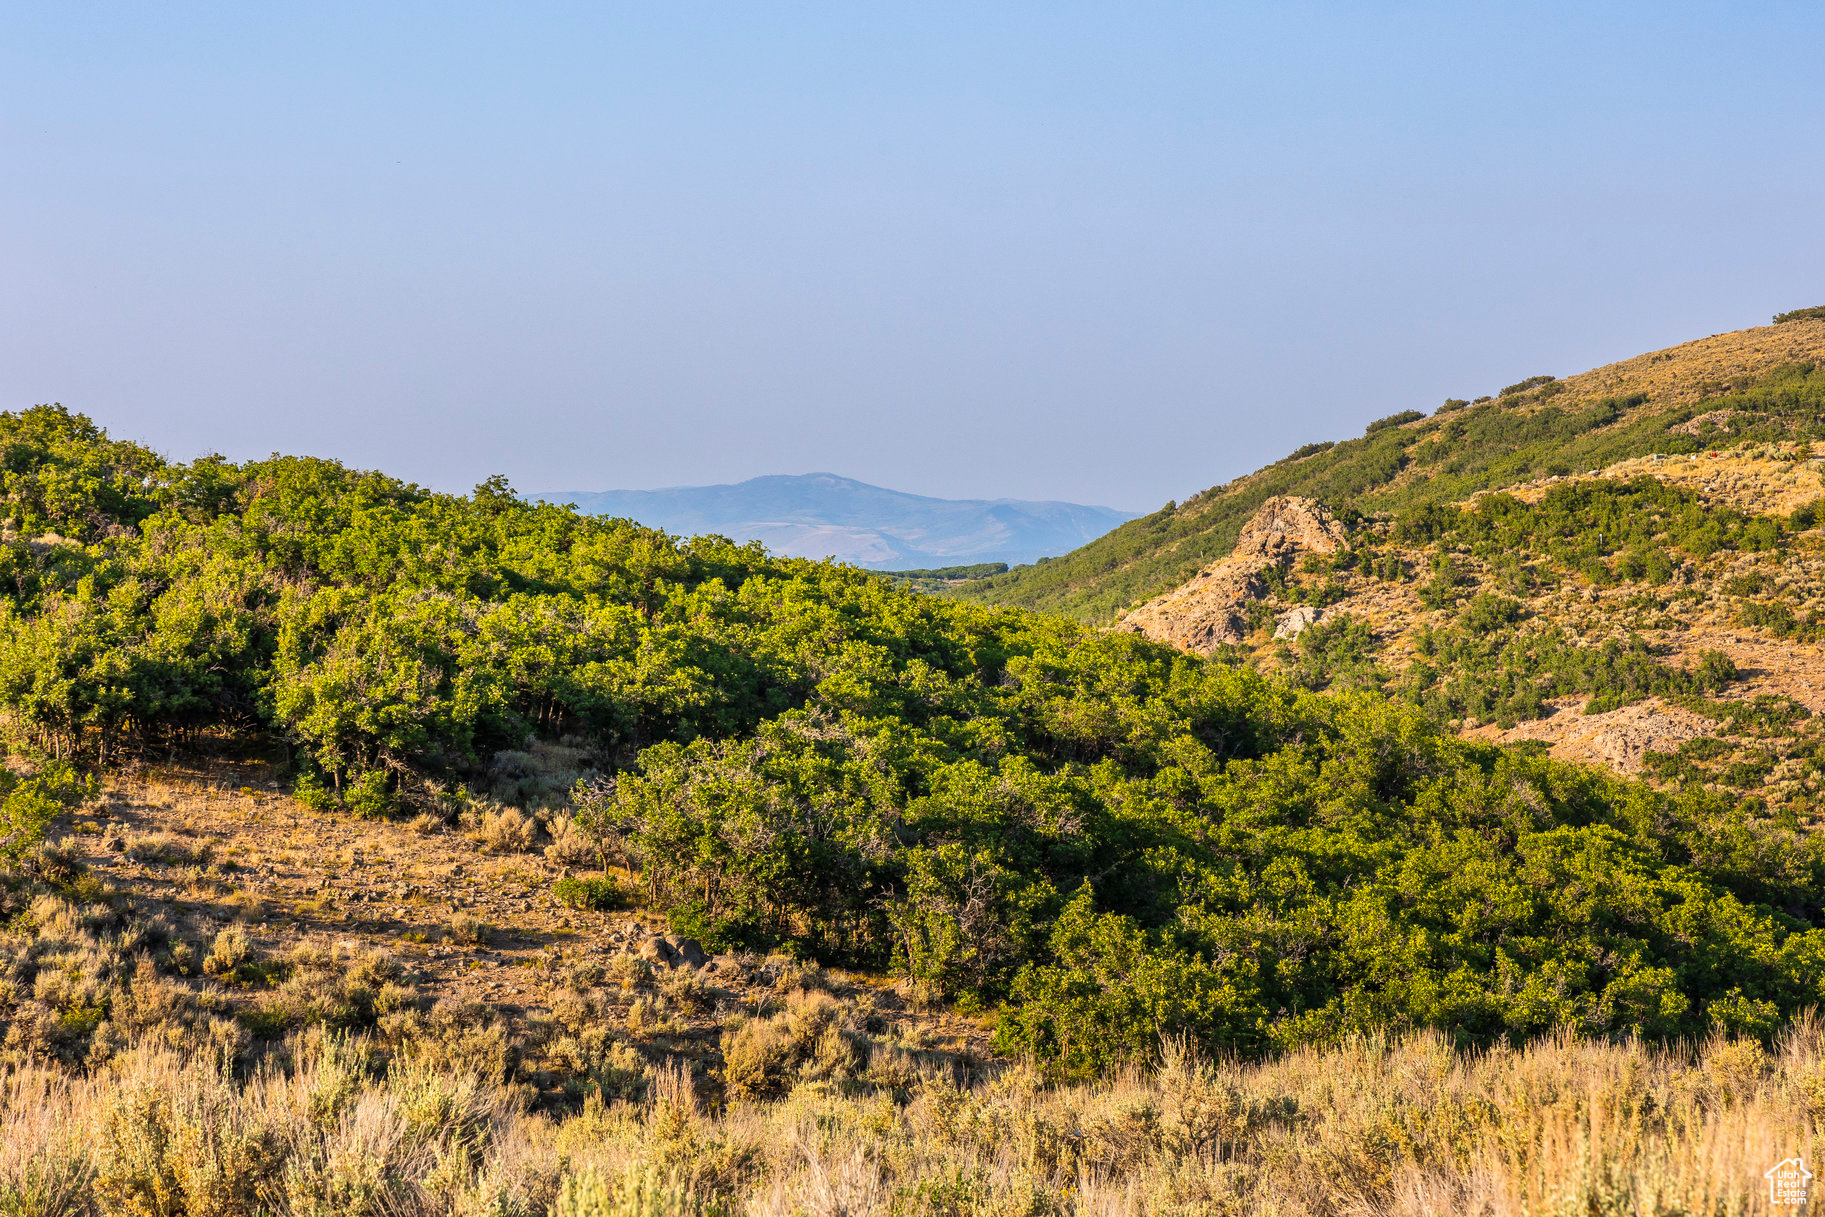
[820, 515]
[365, 849]
[786, 756]
[1659, 402]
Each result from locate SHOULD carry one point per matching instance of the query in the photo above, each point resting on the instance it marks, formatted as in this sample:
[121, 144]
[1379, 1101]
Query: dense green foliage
[1113, 840]
[1801, 314]
[600, 895]
[1528, 433]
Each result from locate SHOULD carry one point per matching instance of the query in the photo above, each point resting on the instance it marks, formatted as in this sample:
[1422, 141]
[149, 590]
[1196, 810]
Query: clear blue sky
[1110, 253]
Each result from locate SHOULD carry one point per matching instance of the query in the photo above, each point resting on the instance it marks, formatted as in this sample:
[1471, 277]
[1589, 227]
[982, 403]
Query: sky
[1109, 253]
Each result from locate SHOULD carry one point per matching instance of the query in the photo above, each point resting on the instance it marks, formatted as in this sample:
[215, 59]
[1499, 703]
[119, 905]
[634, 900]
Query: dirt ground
[208, 847]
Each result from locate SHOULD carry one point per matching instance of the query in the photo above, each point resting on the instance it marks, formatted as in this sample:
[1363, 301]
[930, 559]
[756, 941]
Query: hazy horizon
[1059, 253]
[549, 491]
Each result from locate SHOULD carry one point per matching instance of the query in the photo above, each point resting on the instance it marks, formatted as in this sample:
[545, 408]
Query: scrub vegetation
[966, 909]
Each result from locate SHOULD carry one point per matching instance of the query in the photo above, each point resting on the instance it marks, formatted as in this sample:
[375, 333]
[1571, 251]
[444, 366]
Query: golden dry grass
[1401, 1128]
[807, 1105]
[1706, 366]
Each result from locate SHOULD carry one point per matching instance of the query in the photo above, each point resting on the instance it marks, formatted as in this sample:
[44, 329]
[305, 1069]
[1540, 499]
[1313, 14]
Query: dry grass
[507, 832]
[1706, 366]
[145, 1071]
[1401, 1128]
[468, 929]
[155, 1066]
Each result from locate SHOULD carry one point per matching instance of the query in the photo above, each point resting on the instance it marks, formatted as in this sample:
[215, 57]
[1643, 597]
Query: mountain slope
[1662, 615]
[1107, 841]
[818, 515]
[1590, 420]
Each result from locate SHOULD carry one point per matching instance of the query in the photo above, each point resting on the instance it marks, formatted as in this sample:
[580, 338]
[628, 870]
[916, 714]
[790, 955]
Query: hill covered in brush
[1758, 385]
[1097, 839]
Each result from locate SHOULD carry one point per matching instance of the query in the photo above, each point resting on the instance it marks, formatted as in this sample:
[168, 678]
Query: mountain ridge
[1610, 413]
[818, 515]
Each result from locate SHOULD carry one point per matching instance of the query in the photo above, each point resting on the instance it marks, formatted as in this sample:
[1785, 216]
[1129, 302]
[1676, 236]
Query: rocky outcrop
[1287, 525]
[1619, 738]
[1294, 623]
[1211, 609]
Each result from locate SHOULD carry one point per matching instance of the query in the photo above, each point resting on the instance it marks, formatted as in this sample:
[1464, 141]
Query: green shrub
[1752, 584]
[1441, 590]
[309, 790]
[1801, 314]
[1487, 612]
[1774, 617]
[1337, 652]
[600, 895]
[1521, 386]
[1394, 420]
[370, 795]
[28, 803]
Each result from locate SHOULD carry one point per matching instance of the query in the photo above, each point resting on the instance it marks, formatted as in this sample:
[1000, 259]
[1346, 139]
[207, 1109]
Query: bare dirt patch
[1617, 738]
[219, 846]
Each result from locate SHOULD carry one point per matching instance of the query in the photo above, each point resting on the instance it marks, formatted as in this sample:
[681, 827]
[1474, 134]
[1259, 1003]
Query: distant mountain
[820, 515]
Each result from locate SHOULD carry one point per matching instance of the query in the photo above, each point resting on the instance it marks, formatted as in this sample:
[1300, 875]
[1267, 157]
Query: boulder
[691, 952]
[1294, 623]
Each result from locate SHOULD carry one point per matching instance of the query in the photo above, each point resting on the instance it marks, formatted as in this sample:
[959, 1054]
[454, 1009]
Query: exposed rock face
[1293, 624]
[1286, 525]
[1212, 608]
